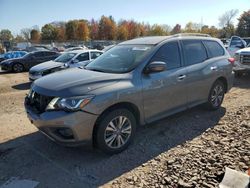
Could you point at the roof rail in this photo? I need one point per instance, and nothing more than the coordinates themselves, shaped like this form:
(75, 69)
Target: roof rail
(191, 34)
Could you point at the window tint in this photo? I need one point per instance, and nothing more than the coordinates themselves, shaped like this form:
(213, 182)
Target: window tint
(83, 57)
(49, 53)
(195, 52)
(38, 54)
(95, 54)
(214, 48)
(169, 53)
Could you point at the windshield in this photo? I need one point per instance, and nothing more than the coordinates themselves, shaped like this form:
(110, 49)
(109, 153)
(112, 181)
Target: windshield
(120, 59)
(64, 58)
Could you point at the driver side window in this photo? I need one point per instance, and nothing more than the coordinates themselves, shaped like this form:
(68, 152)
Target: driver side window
(170, 54)
(83, 57)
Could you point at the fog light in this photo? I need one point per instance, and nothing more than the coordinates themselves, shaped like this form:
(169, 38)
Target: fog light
(66, 133)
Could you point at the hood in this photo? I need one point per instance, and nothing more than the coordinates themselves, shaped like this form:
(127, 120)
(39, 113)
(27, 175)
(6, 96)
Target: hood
(244, 50)
(45, 66)
(74, 82)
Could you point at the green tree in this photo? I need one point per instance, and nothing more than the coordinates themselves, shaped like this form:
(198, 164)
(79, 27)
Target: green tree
(71, 29)
(49, 32)
(244, 24)
(5, 35)
(35, 35)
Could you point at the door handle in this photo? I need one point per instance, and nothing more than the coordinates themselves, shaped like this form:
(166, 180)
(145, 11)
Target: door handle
(213, 68)
(181, 77)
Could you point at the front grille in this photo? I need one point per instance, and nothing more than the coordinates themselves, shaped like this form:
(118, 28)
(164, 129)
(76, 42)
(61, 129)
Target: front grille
(245, 59)
(38, 102)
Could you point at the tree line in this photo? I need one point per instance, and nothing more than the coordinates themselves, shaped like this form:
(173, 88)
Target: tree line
(106, 28)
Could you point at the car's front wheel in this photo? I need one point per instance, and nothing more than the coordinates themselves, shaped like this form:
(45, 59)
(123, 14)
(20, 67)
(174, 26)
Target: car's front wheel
(18, 67)
(115, 131)
(216, 95)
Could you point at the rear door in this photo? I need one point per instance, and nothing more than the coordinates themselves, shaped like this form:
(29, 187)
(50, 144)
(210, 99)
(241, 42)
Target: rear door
(164, 93)
(37, 58)
(201, 71)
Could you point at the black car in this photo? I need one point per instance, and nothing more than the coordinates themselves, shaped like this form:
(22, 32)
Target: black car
(29, 60)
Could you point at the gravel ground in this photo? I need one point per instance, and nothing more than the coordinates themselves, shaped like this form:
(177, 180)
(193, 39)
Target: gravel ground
(189, 149)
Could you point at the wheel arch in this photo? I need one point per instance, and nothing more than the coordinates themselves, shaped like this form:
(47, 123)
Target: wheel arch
(224, 81)
(127, 105)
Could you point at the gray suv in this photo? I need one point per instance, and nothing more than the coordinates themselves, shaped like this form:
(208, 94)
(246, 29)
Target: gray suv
(134, 83)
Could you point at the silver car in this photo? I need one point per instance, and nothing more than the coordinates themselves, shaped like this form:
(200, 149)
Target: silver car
(66, 60)
(134, 83)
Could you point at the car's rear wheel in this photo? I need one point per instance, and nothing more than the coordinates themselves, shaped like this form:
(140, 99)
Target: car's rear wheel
(115, 131)
(18, 67)
(216, 95)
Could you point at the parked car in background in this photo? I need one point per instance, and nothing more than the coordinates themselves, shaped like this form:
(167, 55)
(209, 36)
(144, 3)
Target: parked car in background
(12, 54)
(135, 82)
(235, 43)
(64, 61)
(75, 48)
(242, 61)
(27, 61)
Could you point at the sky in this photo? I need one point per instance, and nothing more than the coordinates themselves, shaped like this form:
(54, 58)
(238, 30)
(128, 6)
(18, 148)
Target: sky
(18, 14)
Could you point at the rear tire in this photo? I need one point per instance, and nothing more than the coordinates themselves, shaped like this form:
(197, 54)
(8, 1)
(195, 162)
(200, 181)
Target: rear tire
(216, 95)
(18, 67)
(115, 131)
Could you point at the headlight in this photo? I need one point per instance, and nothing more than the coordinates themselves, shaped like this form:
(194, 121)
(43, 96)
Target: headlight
(69, 104)
(237, 56)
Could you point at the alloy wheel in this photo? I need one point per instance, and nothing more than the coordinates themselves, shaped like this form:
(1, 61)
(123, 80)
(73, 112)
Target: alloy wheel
(117, 132)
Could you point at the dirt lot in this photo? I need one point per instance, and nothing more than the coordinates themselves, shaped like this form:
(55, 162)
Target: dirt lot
(189, 149)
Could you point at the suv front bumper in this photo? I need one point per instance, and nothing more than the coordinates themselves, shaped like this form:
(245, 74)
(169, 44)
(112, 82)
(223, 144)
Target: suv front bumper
(52, 123)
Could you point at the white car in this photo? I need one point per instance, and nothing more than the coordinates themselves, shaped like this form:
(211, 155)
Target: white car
(242, 61)
(235, 43)
(66, 60)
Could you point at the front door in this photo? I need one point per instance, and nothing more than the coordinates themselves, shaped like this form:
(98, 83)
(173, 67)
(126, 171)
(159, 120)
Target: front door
(164, 93)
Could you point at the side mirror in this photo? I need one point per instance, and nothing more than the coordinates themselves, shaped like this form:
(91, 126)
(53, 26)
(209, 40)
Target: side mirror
(75, 61)
(66, 65)
(155, 66)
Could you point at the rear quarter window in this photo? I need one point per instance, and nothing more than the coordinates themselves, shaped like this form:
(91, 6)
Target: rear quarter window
(194, 51)
(214, 49)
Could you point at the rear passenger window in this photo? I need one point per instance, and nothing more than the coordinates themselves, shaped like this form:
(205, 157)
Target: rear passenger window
(214, 48)
(169, 53)
(195, 51)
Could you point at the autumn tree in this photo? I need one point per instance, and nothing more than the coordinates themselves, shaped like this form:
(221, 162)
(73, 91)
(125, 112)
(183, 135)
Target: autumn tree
(107, 28)
(122, 32)
(82, 30)
(244, 24)
(93, 29)
(176, 29)
(157, 30)
(5, 35)
(71, 29)
(61, 33)
(49, 32)
(35, 35)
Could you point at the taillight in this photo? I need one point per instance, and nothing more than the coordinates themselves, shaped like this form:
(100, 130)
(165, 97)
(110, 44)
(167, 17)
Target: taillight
(231, 60)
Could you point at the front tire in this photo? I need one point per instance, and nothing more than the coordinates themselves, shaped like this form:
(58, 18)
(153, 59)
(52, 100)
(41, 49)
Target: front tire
(18, 67)
(216, 95)
(115, 131)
